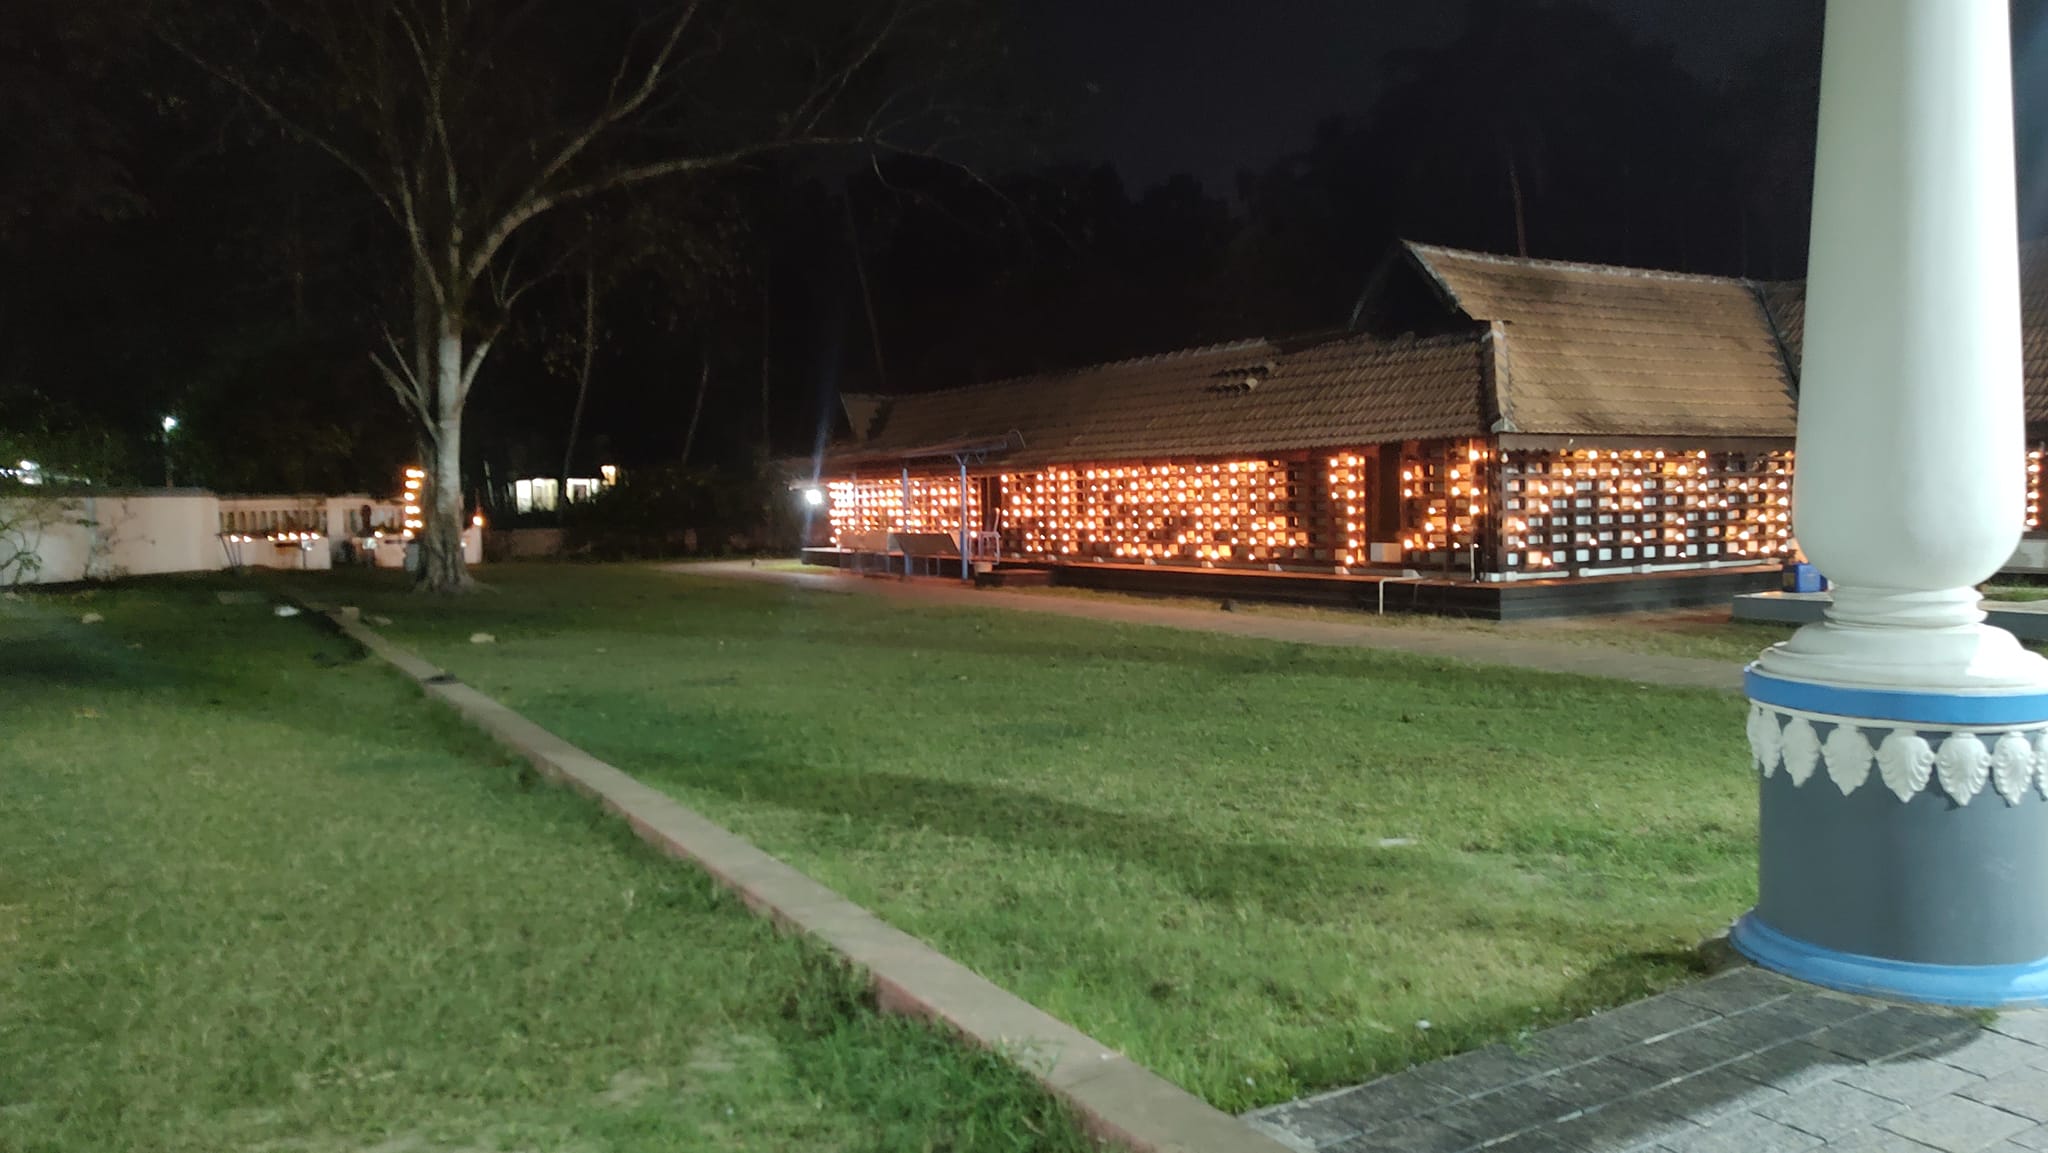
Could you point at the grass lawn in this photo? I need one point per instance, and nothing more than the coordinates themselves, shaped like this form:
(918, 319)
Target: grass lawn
(1258, 868)
(256, 894)
(2016, 593)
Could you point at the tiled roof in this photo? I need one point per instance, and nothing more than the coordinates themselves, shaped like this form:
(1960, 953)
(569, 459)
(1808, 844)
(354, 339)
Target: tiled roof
(1594, 350)
(1584, 350)
(1786, 303)
(1252, 396)
(2034, 326)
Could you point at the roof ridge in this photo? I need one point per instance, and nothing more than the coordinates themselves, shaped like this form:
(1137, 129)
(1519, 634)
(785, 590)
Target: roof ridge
(1421, 248)
(1404, 340)
(1278, 347)
(1242, 344)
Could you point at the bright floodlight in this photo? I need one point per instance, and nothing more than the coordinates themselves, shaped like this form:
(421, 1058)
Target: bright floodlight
(813, 497)
(170, 422)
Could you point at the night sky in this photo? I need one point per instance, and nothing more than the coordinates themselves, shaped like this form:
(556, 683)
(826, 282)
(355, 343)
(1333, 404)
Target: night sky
(1209, 87)
(1042, 233)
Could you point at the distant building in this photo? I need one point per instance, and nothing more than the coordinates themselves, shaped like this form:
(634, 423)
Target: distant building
(1503, 436)
(546, 493)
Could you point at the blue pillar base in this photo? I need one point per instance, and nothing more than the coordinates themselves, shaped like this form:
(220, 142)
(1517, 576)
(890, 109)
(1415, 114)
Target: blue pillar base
(1902, 846)
(1972, 986)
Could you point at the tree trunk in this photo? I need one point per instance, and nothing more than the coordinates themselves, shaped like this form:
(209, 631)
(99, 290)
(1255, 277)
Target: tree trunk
(867, 299)
(441, 563)
(697, 410)
(1521, 213)
(582, 389)
(767, 353)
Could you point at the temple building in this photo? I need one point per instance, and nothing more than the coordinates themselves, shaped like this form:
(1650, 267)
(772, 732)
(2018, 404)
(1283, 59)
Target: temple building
(1492, 436)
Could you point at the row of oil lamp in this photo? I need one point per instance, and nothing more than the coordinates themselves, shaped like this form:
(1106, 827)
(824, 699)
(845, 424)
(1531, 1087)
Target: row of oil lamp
(2034, 488)
(1227, 511)
(1449, 503)
(273, 537)
(1347, 484)
(1752, 494)
(878, 505)
(1230, 510)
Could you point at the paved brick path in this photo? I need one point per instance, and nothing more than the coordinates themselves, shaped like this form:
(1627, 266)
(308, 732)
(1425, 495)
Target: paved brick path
(1746, 1062)
(1473, 647)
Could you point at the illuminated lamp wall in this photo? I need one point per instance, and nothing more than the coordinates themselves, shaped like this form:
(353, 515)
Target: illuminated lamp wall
(2034, 455)
(1349, 482)
(1594, 508)
(1465, 506)
(878, 506)
(415, 518)
(1252, 511)
(1447, 504)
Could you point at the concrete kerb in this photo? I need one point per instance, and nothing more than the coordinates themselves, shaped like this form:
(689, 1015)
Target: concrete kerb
(1116, 1099)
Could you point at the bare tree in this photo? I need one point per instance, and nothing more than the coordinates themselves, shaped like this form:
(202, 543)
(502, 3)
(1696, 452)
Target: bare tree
(468, 120)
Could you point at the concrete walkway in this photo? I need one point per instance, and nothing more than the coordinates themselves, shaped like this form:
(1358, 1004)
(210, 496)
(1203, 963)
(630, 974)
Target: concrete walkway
(1746, 1062)
(1472, 647)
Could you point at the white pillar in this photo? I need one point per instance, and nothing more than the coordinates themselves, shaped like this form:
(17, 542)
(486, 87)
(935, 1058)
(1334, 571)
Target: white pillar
(1911, 460)
(1903, 743)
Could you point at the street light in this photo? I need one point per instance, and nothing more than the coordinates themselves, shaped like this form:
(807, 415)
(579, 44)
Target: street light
(170, 424)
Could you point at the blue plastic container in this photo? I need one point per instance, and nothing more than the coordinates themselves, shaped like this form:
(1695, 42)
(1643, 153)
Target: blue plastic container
(1804, 578)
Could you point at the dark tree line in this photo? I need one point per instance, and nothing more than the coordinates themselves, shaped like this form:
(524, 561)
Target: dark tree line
(1543, 129)
(197, 239)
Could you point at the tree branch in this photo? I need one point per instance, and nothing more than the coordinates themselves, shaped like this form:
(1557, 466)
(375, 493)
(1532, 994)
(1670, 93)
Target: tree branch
(819, 103)
(403, 383)
(277, 116)
(637, 174)
(476, 361)
(415, 239)
(434, 75)
(615, 110)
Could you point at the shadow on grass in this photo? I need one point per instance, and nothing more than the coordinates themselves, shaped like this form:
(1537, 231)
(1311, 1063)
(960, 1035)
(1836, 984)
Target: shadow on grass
(45, 653)
(1303, 884)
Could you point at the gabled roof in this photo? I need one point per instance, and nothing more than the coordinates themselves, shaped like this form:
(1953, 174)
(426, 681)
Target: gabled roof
(2034, 326)
(1594, 350)
(1537, 347)
(1786, 303)
(1248, 397)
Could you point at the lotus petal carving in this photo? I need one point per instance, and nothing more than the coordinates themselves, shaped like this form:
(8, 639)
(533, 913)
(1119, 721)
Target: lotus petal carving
(1765, 741)
(1802, 749)
(1905, 761)
(2012, 767)
(1848, 754)
(1962, 765)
